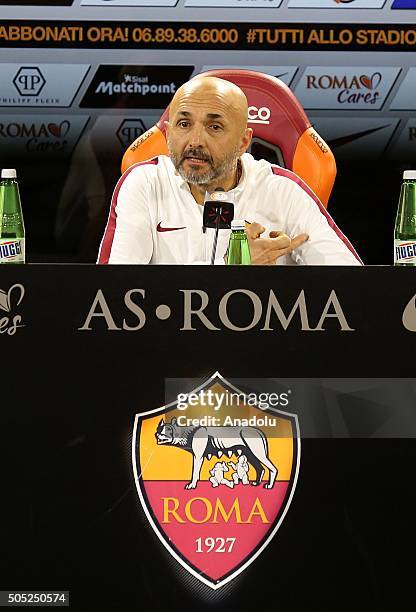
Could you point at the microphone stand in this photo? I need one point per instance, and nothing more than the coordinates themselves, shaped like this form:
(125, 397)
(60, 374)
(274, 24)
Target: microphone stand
(218, 213)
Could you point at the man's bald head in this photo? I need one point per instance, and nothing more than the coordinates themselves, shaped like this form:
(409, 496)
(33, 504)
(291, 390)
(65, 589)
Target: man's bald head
(204, 87)
(207, 131)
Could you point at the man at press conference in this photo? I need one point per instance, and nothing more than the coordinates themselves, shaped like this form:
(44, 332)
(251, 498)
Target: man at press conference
(156, 213)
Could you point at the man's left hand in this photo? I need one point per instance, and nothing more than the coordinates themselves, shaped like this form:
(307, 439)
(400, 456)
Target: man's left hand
(266, 251)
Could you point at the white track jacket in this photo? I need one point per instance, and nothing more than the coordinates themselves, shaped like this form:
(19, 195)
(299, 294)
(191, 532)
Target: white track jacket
(155, 219)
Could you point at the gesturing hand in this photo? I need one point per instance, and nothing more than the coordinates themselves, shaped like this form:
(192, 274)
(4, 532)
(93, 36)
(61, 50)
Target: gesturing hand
(266, 251)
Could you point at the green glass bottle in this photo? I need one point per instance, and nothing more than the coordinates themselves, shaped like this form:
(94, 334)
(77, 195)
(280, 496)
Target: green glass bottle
(405, 227)
(238, 247)
(12, 229)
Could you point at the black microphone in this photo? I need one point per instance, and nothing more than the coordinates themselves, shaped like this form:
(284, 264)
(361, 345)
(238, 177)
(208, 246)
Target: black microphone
(218, 214)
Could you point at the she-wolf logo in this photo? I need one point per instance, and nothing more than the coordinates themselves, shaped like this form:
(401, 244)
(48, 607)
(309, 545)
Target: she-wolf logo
(216, 482)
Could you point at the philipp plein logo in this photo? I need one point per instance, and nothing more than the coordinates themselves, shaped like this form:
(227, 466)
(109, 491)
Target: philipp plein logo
(8, 301)
(29, 81)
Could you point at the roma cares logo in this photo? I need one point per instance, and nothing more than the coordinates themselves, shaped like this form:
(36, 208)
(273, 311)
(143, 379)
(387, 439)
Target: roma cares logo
(216, 479)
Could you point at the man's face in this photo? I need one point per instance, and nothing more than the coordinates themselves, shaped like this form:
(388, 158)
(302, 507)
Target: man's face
(204, 142)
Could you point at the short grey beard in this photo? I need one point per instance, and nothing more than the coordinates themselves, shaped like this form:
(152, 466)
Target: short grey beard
(194, 179)
(227, 166)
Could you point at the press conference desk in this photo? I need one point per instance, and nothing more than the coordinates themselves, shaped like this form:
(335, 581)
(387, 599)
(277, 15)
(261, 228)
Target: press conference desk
(85, 348)
(238, 315)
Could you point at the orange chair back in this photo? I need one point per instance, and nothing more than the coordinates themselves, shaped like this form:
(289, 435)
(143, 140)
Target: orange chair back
(282, 133)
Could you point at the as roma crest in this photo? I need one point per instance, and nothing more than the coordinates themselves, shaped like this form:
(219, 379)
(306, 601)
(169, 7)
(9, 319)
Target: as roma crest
(215, 475)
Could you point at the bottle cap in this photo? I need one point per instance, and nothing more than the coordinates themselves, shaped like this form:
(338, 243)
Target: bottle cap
(409, 174)
(238, 224)
(8, 173)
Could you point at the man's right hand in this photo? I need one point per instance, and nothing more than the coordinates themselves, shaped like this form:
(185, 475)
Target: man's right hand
(266, 251)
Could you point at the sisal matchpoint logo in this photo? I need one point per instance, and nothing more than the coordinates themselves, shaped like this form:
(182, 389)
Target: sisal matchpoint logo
(215, 472)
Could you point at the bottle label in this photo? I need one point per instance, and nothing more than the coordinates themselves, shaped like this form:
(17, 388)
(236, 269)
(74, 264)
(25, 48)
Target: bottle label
(405, 251)
(12, 250)
(9, 220)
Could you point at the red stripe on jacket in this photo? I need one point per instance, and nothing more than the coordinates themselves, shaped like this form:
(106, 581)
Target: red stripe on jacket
(296, 179)
(107, 241)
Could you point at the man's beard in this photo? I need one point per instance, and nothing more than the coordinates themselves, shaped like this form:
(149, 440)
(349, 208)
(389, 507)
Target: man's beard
(215, 171)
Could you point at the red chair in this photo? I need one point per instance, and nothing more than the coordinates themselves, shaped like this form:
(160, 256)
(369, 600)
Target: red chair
(282, 133)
